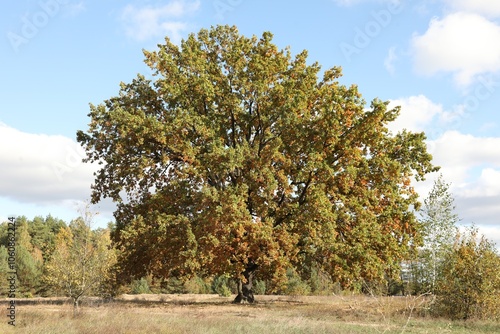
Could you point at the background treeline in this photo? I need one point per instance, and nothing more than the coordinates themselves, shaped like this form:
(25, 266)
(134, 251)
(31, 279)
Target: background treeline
(458, 271)
(37, 248)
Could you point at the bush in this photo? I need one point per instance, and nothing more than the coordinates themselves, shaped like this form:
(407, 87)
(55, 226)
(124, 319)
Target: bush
(295, 285)
(139, 286)
(320, 282)
(172, 285)
(197, 285)
(220, 285)
(469, 282)
(259, 287)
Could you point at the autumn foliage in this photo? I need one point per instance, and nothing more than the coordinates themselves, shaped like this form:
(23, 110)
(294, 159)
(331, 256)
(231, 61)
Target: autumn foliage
(238, 154)
(469, 282)
(81, 262)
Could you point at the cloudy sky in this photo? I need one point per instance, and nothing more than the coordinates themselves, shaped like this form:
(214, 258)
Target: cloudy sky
(438, 59)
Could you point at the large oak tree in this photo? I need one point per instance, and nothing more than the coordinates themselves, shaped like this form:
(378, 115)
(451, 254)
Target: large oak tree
(236, 156)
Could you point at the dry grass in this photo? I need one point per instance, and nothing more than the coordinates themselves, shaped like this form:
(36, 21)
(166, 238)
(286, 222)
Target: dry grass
(213, 314)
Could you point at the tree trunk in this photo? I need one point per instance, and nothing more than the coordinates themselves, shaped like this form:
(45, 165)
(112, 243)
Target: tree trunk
(245, 293)
(76, 306)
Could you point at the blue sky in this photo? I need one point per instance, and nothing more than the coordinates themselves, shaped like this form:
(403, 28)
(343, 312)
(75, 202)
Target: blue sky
(438, 59)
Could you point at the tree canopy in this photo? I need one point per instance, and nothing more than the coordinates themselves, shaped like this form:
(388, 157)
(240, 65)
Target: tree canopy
(237, 155)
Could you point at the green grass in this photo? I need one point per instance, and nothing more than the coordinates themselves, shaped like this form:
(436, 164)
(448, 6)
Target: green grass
(213, 314)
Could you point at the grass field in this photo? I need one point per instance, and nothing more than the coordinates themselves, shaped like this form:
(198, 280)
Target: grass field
(213, 314)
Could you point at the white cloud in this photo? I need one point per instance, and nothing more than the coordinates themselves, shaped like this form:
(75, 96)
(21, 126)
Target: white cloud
(480, 210)
(471, 207)
(492, 233)
(472, 166)
(149, 22)
(418, 113)
(73, 9)
(461, 43)
(488, 126)
(390, 59)
(458, 150)
(489, 8)
(43, 175)
(42, 168)
(487, 185)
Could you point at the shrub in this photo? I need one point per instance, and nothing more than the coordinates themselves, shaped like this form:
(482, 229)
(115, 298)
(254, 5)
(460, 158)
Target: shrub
(259, 287)
(172, 285)
(197, 285)
(469, 282)
(295, 285)
(139, 286)
(220, 285)
(320, 282)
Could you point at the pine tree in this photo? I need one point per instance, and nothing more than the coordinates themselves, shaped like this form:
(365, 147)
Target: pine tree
(29, 260)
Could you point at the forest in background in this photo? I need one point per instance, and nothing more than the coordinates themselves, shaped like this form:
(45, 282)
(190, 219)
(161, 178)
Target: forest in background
(457, 268)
